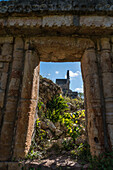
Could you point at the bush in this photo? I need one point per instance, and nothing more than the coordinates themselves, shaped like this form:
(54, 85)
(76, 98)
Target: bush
(73, 124)
(55, 108)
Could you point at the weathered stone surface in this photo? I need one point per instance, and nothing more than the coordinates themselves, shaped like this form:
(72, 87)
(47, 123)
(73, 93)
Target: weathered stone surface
(110, 130)
(3, 166)
(93, 98)
(57, 21)
(2, 95)
(96, 21)
(10, 83)
(14, 165)
(3, 81)
(56, 6)
(58, 37)
(14, 87)
(31, 62)
(19, 44)
(5, 152)
(7, 58)
(11, 108)
(50, 48)
(106, 63)
(51, 89)
(7, 49)
(105, 43)
(108, 84)
(6, 40)
(93, 89)
(89, 59)
(6, 135)
(5, 67)
(109, 117)
(18, 62)
(25, 125)
(0, 116)
(1, 65)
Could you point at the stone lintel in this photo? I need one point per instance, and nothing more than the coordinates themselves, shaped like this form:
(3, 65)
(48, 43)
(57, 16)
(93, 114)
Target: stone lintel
(64, 24)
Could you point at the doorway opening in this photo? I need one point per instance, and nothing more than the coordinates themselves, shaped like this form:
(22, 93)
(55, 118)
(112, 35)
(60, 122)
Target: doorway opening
(60, 126)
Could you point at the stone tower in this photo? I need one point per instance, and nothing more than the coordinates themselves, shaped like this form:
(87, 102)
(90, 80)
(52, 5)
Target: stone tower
(68, 79)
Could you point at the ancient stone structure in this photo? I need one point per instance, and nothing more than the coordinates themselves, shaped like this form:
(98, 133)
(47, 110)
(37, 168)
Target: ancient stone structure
(57, 31)
(47, 90)
(65, 85)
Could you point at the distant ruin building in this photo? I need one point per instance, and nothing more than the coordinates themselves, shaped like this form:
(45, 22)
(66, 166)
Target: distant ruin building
(65, 85)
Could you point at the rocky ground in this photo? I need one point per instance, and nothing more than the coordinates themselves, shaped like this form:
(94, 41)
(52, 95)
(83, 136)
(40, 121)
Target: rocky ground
(55, 162)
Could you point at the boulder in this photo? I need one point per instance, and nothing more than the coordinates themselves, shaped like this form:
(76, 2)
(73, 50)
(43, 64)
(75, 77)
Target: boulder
(49, 134)
(44, 125)
(50, 125)
(58, 133)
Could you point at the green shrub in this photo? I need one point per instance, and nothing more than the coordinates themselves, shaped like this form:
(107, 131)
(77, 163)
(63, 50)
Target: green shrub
(55, 108)
(72, 123)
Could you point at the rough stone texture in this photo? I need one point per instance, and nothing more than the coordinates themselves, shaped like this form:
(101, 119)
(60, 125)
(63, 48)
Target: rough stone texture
(22, 91)
(50, 88)
(94, 115)
(58, 31)
(56, 6)
(5, 127)
(10, 166)
(11, 99)
(27, 104)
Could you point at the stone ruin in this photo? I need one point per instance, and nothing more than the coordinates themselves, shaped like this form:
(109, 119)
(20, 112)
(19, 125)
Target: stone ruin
(65, 86)
(47, 90)
(54, 31)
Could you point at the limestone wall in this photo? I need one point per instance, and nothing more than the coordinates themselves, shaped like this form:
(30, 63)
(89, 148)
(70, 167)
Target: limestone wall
(19, 88)
(62, 31)
(18, 97)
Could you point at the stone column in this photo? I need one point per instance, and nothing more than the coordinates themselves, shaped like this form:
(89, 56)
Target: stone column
(11, 85)
(93, 101)
(106, 59)
(27, 105)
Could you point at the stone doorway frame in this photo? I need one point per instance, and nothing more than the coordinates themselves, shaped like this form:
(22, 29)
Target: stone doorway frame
(59, 49)
(72, 49)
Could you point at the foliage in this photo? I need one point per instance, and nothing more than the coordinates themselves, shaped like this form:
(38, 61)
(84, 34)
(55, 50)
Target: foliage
(41, 110)
(40, 132)
(103, 162)
(68, 144)
(77, 102)
(34, 155)
(83, 152)
(55, 108)
(72, 123)
(40, 136)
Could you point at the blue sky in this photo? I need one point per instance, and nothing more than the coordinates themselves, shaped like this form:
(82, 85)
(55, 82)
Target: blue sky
(55, 71)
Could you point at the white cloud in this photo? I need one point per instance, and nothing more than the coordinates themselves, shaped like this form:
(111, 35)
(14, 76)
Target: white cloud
(49, 74)
(57, 72)
(79, 90)
(72, 74)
